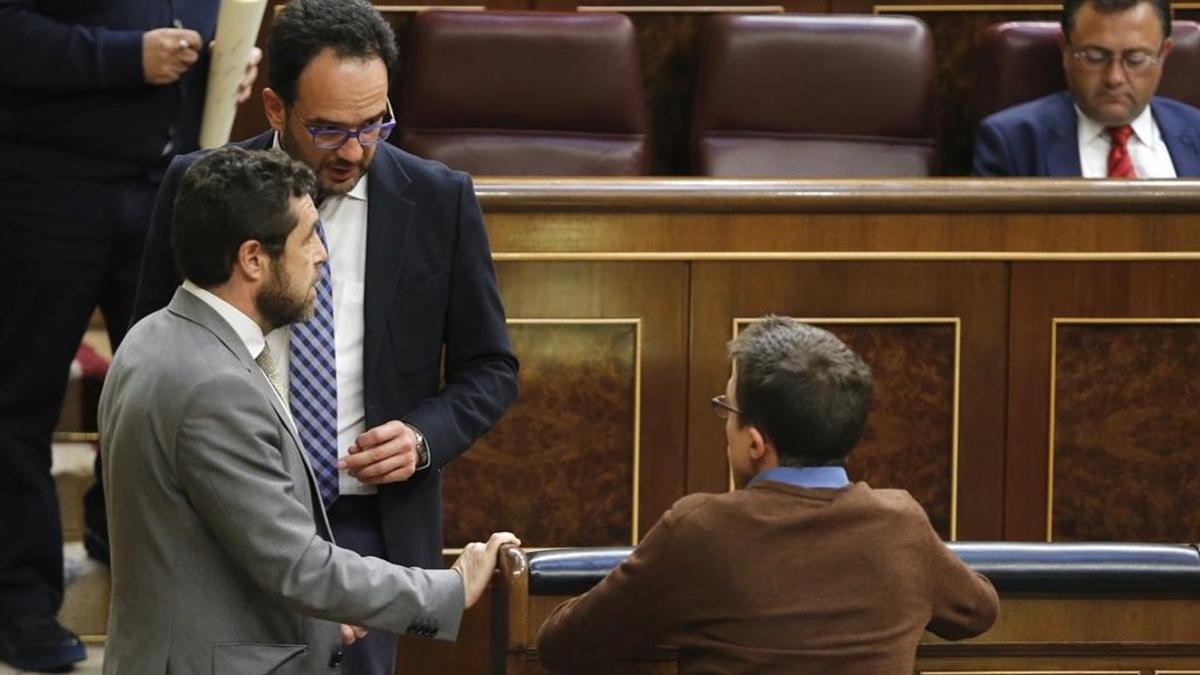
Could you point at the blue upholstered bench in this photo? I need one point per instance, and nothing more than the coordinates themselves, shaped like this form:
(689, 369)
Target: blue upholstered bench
(1078, 607)
(1011, 566)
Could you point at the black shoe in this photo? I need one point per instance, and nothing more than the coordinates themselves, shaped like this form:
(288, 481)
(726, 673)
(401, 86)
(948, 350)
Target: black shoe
(39, 644)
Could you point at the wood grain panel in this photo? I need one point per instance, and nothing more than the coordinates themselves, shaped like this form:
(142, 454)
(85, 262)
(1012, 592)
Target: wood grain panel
(1126, 466)
(909, 439)
(657, 295)
(654, 293)
(559, 468)
(1040, 293)
(973, 292)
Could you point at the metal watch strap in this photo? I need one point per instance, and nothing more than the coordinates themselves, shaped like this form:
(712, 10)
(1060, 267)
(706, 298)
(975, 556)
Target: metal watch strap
(423, 456)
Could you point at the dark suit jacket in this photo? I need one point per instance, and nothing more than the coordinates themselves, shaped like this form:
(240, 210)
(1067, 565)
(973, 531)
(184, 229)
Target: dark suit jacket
(1041, 138)
(429, 283)
(74, 102)
(776, 578)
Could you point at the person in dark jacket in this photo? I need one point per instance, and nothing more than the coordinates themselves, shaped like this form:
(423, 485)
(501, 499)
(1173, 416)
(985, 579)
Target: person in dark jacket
(1107, 123)
(95, 99)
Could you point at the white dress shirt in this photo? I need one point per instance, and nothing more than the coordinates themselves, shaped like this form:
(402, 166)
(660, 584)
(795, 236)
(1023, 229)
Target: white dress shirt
(1146, 148)
(345, 220)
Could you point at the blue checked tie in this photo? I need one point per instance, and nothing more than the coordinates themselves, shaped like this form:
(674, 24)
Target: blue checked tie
(313, 371)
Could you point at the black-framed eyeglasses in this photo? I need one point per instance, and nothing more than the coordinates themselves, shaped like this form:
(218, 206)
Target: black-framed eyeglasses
(331, 138)
(722, 408)
(1133, 61)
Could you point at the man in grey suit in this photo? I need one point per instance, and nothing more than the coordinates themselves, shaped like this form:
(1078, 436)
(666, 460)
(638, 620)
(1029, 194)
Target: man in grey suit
(222, 557)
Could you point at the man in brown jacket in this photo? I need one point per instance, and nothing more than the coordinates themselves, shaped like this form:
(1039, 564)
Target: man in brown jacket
(799, 572)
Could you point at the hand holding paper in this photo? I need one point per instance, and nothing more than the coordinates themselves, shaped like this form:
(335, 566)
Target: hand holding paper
(167, 53)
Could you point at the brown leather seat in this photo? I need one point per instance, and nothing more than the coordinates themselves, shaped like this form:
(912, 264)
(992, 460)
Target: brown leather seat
(525, 93)
(815, 95)
(1021, 60)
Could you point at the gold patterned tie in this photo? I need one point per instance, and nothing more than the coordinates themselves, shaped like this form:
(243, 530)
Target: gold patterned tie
(267, 363)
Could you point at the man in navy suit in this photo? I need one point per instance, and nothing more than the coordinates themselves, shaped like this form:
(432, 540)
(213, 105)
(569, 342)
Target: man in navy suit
(418, 352)
(1108, 123)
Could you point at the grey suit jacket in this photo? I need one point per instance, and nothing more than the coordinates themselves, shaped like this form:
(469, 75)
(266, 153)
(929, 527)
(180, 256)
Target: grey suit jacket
(222, 561)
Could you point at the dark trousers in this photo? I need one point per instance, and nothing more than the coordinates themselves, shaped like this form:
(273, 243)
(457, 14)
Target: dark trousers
(356, 525)
(66, 247)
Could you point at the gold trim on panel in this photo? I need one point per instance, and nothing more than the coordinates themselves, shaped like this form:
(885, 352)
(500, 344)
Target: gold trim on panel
(75, 437)
(1072, 671)
(738, 322)
(1177, 672)
(93, 639)
(637, 429)
(934, 9)
(573, 322)
(1054, 323)
(922, 256)
(680, 9)
(636, 322)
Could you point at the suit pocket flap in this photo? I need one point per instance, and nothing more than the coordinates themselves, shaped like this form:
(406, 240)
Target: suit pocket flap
(251, 658)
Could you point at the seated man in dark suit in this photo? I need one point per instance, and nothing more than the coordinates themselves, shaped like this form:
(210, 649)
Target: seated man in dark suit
(1109, 123)
(799, 572)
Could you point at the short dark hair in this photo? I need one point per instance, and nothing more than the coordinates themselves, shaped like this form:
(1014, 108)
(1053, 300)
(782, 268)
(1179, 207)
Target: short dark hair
(303, 28)
(803, 388)
(1071, 7)
(230, 196)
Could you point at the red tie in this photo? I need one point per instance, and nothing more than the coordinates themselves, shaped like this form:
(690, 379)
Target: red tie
(1119, 164)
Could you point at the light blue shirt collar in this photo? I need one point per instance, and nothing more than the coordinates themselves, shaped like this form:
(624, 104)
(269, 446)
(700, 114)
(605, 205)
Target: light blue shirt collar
(828, 477)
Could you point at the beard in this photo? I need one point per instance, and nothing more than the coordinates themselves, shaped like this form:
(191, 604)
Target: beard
(277, 305)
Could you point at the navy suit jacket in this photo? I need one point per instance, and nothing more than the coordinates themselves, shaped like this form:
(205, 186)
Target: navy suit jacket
(1041, 138)
(73, 98)
(429, 283)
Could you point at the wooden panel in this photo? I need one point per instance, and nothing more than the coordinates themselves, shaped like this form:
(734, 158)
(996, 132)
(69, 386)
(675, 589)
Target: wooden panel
(909, 441)
(1030, 672)
(1040, 293)
(1125, 465)
(973, 293)
(1004, 258)
(559, 467)
(1059, 671)
(655, 294)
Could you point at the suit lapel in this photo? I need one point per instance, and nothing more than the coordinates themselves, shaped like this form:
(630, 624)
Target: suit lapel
(290, 425)
(389, 217)
(1181, 141)
(1062, 140)
(194, 309)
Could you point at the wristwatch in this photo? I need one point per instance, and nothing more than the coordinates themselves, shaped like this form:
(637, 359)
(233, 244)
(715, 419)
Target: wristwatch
(422, 448)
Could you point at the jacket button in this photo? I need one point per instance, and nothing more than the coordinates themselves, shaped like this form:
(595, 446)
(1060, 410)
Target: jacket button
(335, 659)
